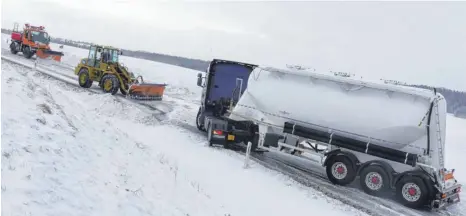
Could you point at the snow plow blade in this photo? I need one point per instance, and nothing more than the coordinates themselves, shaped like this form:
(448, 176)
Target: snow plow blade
(147, 91)
(49, 54)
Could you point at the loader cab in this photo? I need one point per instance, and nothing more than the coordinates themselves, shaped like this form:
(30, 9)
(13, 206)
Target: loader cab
(100, 57)
(110, 55)
(223, 84)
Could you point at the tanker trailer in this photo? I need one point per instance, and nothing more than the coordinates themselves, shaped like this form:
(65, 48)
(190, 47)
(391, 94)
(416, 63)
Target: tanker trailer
(392, 137)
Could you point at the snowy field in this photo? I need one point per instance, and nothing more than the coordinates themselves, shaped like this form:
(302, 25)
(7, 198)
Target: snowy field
(72, 151)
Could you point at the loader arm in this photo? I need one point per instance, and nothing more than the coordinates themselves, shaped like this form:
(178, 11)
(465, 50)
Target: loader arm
(125, 78)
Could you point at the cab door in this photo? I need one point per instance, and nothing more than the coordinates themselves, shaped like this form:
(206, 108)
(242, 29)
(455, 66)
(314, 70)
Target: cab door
(92, 53)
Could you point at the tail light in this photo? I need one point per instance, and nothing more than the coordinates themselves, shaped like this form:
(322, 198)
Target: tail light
(218, 132)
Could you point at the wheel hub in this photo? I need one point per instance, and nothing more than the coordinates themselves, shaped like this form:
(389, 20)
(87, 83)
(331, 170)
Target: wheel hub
(411, 192)
(83, 78)
(374, 181)
(108, 85)
(339, 170)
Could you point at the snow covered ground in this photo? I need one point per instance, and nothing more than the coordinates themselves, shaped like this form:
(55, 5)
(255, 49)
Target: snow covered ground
(70, 151)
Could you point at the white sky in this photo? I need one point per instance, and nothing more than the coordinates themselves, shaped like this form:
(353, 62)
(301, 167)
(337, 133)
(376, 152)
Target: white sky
(417, 42)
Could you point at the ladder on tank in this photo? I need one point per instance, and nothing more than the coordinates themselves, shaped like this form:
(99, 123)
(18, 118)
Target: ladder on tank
(439, 137)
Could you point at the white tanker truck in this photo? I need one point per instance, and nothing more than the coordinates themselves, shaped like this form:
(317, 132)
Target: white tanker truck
(392, 137)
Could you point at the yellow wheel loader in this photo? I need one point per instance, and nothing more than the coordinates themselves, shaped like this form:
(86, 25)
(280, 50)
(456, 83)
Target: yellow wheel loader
(102, 66)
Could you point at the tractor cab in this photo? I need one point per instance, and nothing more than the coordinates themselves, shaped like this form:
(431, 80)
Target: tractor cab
(35, 34)
(222, 86)
(33, 40)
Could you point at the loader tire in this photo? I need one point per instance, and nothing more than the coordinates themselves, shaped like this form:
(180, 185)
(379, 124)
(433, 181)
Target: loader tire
(123, 92)
(110, 84)
(13, 48)
(27, 53)
(84, 79)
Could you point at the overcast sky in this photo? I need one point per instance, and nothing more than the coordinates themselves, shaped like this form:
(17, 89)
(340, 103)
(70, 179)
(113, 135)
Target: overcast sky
(417, 42)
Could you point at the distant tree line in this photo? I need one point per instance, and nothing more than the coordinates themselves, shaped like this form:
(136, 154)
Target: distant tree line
(190, 63)
(456, 100)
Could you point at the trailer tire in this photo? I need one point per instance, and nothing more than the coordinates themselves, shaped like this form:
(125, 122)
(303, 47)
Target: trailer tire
(412, 192)
(340, 170)
(374, 180)
(199, 123)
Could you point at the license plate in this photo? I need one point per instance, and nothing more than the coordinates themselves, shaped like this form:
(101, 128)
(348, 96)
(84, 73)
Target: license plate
(231, 137)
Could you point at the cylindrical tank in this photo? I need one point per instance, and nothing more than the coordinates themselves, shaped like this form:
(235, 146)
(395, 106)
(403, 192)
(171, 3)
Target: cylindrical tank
(392, 114)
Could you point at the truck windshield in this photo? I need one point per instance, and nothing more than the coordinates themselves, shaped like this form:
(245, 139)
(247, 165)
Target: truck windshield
(41, 37)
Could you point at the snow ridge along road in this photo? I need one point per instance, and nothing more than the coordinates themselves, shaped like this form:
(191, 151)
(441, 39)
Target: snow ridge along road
(350, 196)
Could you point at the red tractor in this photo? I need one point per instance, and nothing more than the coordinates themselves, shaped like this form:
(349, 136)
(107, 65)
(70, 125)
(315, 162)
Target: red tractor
(33, 40)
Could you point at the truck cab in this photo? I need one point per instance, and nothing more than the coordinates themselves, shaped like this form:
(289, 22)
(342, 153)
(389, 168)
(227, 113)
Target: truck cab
(222, 85)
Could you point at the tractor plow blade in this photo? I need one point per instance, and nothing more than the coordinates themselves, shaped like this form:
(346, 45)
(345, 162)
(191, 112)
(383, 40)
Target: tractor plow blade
(49, 54)
(146, 91)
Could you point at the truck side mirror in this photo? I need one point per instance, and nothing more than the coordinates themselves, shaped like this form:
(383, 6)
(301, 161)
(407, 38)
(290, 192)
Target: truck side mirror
(199, 79)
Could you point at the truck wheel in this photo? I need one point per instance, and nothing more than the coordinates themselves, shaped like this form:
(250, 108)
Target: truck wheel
(110, 84)
(374, 180)
(27, 53)
(84, 78)
(412, 191)
(199, 123)
(340, 170)
(14, 48)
